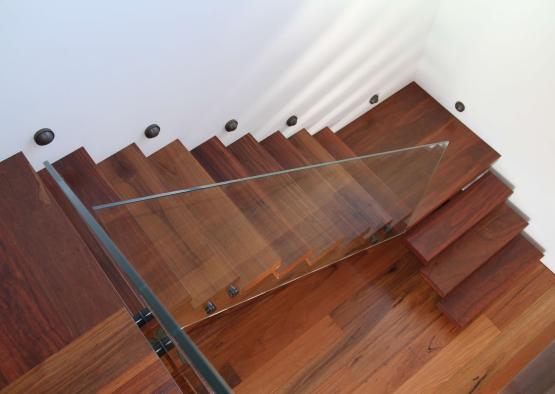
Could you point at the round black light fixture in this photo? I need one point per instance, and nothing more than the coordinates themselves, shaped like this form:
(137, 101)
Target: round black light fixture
(459, 106)
(374, 99)
(292, 121)
(152, 131)
(231, 125)
(44, 137)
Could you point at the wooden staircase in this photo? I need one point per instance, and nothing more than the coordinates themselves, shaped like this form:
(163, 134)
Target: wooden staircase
(192, 257)
(471, 248)
(63, 327)
(195, 248)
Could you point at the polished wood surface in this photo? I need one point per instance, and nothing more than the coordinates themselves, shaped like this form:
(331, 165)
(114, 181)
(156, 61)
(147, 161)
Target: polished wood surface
(32, 228)
(111, 357)
(314, 184)
(254, 200)
(134, 241)
(396, 210)
(172, 232)
(369, 324)
(74, 168)
(250, 255)
(303, 214)
(368, 209)
(474, 248)
(412, 117)
(475, 293)
(63, 328)
(447, 224)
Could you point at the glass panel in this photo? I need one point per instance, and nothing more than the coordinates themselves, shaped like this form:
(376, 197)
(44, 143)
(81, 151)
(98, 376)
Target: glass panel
(200, 370)
(214, 246)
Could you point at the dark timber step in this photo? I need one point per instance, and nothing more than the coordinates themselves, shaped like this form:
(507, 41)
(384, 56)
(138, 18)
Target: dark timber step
(456, 217)
(252, 198)
(475, 293)
(301, 213)
(394, 207)
(173, 229)
(59, 311)
(79, 171)
(412, 117)
(229, 228)
(322, 192)
(469, 252)
(362, 202)
(41, 307)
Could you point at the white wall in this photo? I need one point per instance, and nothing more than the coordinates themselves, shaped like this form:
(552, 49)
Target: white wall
(98, 72)
(498, 57)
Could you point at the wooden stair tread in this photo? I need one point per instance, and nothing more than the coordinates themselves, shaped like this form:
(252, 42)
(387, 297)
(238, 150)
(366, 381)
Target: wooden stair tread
(475, 293)
(230, 230)
(253, 201)
(173, 229)
(83, 176)
(394, 207)
(58, 308)
(412, 117)
(362, 202)
(315, 186)
(302, 214)
(474, 248)
(447, 224)
(79, 172)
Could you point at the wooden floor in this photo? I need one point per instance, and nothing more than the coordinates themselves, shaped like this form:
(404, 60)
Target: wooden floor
(370, 324)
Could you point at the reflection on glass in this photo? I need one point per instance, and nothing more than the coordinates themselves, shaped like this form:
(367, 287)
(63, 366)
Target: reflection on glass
(211, 247)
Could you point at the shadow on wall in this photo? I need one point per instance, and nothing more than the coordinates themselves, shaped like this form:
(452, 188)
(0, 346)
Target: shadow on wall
(107, 70)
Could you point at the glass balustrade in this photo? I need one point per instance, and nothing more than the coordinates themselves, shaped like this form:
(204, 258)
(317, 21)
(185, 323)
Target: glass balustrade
(208, 248)
(213, 246)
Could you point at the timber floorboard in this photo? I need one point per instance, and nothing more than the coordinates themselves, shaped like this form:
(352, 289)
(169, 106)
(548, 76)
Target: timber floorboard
(381, 333)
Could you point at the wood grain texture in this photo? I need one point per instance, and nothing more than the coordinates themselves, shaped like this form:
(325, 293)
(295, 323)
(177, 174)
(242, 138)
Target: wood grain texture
(508, 353)
(111, 357)
(63, 328)
(474, 294)
(49, 294)
(228, 229)
(362, 202)
(379, 304)
(314, 184)
(75, 168)
(412, 117)
(385, 335)
(447, 224)
(395, 208)
(306, 217)
(474, 248)
(253, 198)
(134, 241)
